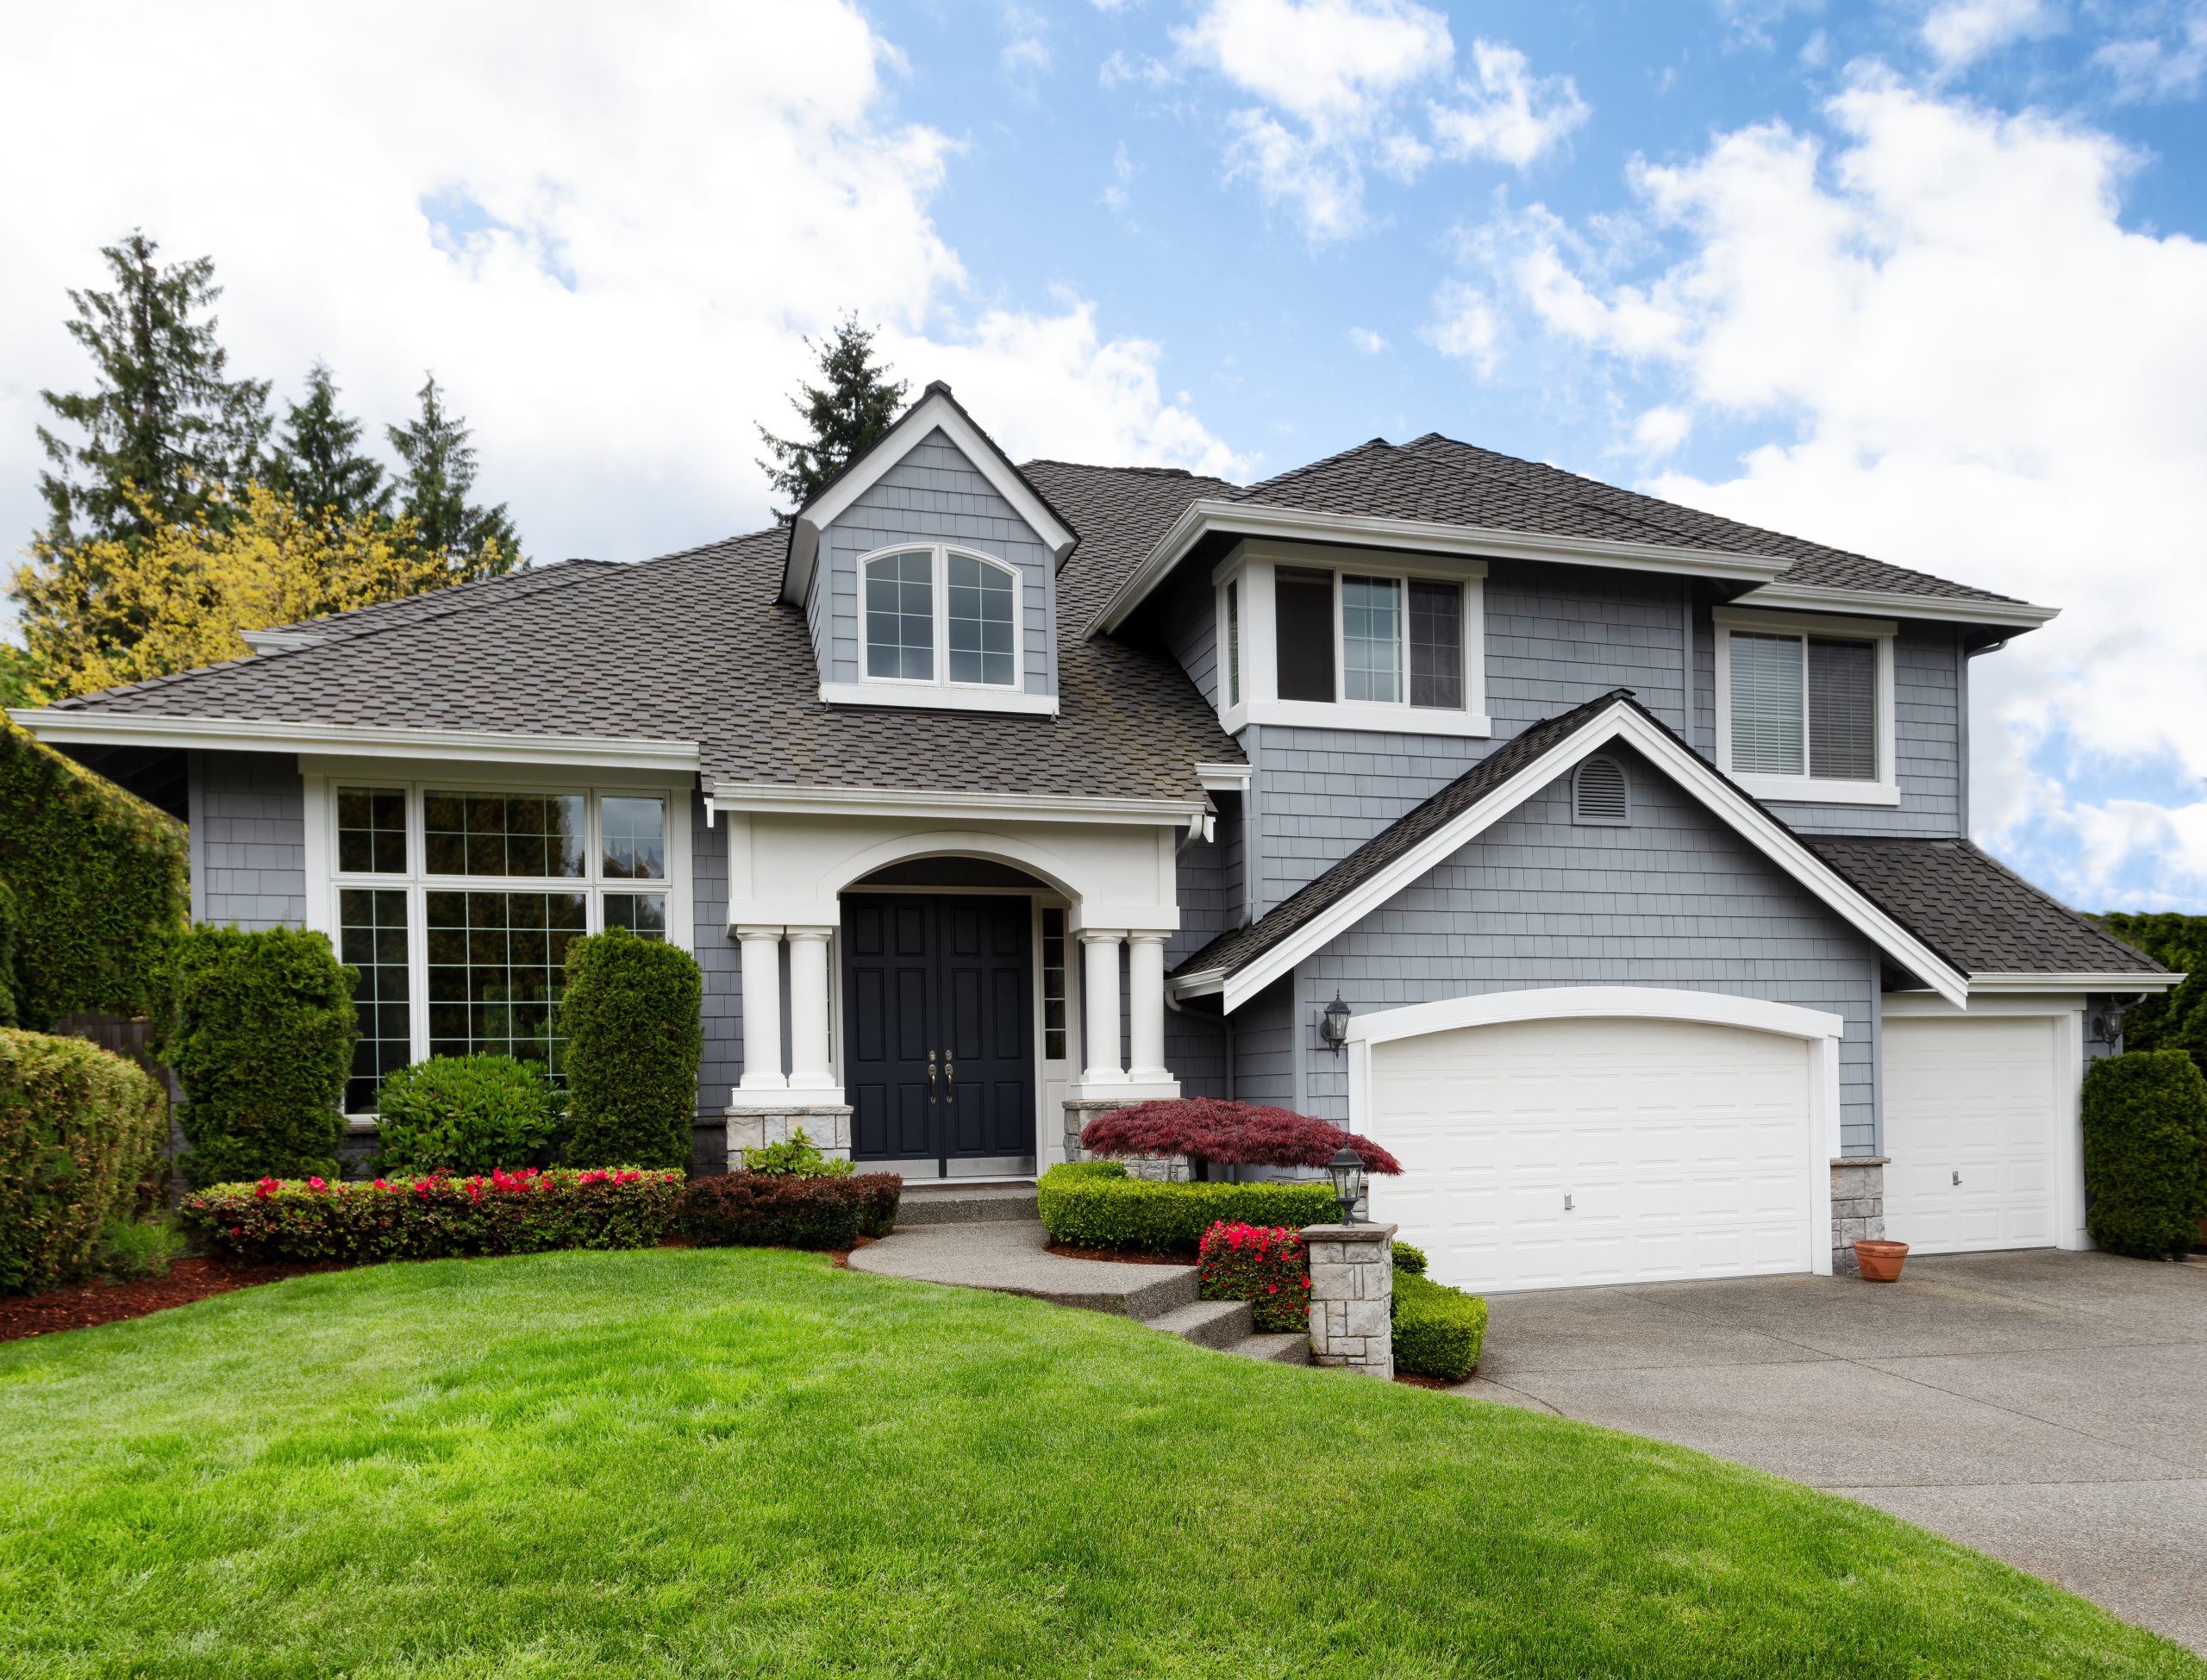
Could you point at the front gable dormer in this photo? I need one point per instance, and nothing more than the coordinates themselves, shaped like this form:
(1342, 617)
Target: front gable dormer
(927, 573)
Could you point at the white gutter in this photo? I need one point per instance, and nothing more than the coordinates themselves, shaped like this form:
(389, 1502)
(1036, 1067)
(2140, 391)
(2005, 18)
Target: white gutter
(72, 727)
(1945, 608)
(955, 803)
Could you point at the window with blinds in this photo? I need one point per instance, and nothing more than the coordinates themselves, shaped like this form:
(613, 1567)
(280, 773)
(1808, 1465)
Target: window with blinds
(1767, 702)
(1804, 706)
(1842, 710)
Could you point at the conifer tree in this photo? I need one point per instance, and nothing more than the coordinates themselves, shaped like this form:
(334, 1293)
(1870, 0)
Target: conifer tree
(433, 491)
(316, 461)
(853, 407)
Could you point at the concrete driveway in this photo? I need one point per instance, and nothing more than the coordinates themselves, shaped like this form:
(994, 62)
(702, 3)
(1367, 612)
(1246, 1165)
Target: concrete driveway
(2049, 1408)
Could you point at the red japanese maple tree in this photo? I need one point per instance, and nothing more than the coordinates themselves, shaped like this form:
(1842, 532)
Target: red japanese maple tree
(1231, 1134)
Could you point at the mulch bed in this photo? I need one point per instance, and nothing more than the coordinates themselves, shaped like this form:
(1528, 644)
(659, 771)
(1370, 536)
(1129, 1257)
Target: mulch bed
(81, 1305)
(1120, 1255)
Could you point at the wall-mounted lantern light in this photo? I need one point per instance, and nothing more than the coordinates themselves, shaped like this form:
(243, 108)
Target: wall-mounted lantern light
(1333, 1025)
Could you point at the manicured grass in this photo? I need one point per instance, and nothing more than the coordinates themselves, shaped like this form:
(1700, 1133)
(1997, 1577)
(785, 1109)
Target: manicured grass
(740, 1462)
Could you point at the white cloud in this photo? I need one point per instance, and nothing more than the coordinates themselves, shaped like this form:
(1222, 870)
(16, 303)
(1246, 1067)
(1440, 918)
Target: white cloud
(1960, 32)
(1466, 327)
(641, 213)
(1507, 112)
(2169, 66)
(1118, 70)
(1366, 342)
(1662, 430)
(1117, 195)
(1984, 375)
(1321, 61)
(1749, 22)
(1024, 58)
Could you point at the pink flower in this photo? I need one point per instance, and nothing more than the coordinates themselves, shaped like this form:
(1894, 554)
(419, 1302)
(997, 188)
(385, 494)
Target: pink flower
(317, 1185)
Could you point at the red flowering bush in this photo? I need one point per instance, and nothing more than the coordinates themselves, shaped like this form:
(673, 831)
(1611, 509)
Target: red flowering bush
(1266, 1266)
(523, 1212)
(778, 1210)
(1231, 1134)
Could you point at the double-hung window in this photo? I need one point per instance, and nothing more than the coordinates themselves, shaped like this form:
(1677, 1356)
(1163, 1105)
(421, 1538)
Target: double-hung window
(944, 616)
(457, 905)
(1805, 707)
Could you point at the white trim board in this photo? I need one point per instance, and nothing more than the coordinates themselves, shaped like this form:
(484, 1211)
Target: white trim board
(1943, 609)
(915, 696)
(956, 805)
(1621, 721)
(225, 734)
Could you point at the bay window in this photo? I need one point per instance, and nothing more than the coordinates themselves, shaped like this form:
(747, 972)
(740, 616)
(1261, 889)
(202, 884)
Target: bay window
(1804, 706)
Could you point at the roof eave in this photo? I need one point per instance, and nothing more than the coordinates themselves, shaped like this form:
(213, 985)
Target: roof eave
(227, 734)
(2015, 617)
(1999, 984)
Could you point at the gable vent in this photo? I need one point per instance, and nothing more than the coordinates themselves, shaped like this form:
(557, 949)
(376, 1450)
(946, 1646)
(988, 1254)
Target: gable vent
(1600, 794)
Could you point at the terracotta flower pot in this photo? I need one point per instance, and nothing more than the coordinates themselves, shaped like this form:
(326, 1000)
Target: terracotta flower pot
(1879, 1261)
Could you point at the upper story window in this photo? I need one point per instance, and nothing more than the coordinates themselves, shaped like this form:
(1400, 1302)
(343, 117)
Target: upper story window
(939, 615)
(1805, 706)
(1378, 644)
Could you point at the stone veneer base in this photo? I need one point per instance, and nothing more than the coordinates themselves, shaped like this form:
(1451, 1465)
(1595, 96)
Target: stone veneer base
(1858, 1208)
(1352, 1297)
(827, 1124)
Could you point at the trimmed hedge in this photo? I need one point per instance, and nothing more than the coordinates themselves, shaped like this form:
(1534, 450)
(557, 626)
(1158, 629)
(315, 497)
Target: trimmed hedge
(10, 934)
(1408, 1257)
(260, 1031)
(1438, 1331)
(80, 1130)
(1093, 1204)
(464, 1114)
(101, 880)
(633, 1042)
(439, 1216)
(2172, 1020)
(2145, 1153)
(777, 1210)
(1266, 1265)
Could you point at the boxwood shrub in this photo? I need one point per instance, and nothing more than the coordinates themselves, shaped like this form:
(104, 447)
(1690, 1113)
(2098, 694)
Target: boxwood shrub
(633, 1042)
(779, 1210)
(259, 1028)
(1408, 1257)
(437, 1216)
(464, 1114)
(1093, 1204)
(1438, 1330)
(79, 1131)
(2145, 1153)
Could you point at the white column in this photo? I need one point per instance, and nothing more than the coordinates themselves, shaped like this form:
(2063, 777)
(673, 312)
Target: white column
(1145, 1009)
(809, 1065)
(762, 1010)
(1099, 991)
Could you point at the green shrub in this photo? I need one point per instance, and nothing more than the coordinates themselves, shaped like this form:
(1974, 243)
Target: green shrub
(2170, 1020)
(1266, 1265)
(2145, 1153)
(796, 1159)
(259, 1029)
(500, 1213)
(1438, 1330)
(79, 1129)
(10, 986)
(778, 1210)
(1409, 1258)
(101, 880)
(634, 1041)
(136, 1248)
(464, 1114)
(1088, 1209)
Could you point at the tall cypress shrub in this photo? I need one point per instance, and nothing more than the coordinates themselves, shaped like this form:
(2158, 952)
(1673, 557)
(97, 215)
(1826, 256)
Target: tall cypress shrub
(259, 1030)
(80, 1130)
(2146, 1153)
(634, 1041)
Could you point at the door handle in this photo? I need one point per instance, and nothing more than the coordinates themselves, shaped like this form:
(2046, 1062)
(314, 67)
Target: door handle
(950, 1078)
(1958, 1178)
(933, 1092)
(1566, 1203)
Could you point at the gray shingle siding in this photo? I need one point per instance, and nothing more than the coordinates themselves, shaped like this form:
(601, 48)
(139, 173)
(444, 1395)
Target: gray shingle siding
(1675, 900)
(721, 1006)
(1191, 628)
(937, 495)
(1557, 635)
(248, 840)
(1263, 1050)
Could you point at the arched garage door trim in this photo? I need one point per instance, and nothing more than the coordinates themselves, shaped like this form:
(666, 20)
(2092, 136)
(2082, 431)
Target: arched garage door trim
(1819, 1029)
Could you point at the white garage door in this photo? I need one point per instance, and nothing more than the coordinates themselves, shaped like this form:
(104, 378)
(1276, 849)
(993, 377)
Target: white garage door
(1970, 1108)
(1544, 1153)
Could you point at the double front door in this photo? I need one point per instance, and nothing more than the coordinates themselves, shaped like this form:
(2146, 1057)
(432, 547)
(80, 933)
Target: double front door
(939, 1035)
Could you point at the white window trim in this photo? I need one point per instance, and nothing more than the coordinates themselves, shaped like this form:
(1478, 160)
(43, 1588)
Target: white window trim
(1253, 564)
(1806, 789)
(939, 687)
(325, 883)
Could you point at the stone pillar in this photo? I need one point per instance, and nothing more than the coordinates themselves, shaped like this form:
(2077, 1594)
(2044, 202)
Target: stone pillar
(812, 1069)
(1353, 1297)
(1146, 1009)
(1099, 991)
(762, 1010)
(1858, 1208)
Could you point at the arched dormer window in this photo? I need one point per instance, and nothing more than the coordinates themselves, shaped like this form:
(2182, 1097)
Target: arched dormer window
(939, 615)
(1600, 794)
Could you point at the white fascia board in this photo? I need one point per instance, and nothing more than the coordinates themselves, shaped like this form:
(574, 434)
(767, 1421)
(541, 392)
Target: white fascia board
(937, 698)
(1225, 778)
(933, 411)
(1593, 1003)
(1427, 536)
(1740, 812)
(225, 734)
(1997, 984)
(953, 803)
(1945, 608)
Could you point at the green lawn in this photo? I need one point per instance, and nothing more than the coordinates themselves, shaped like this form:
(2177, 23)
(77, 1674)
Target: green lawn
(747, 1462)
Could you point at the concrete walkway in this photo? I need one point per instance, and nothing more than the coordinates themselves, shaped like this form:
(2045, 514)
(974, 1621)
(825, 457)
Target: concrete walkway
(2049, 1408)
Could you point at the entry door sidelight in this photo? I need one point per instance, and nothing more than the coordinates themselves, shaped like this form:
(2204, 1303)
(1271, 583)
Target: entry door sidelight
(940, 1035)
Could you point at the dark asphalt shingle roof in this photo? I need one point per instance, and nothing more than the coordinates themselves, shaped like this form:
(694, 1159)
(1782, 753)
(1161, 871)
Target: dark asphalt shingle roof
(458, 598)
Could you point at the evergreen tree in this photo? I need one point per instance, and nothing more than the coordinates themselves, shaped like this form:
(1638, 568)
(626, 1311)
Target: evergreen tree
(854, 407)
(165, 429)
(433, 491)
(316, 461)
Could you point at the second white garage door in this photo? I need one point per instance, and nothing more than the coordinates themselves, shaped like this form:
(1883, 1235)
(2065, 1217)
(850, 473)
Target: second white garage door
(1540, 1155)
(1971, 1130)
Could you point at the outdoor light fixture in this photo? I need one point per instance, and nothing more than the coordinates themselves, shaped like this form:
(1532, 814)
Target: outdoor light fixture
(1348, 1169)
(1333, 1025)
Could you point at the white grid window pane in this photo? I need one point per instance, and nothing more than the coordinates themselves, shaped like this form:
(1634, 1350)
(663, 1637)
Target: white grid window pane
(980, 622)
(371, 831)
(1843, 709)
(1768, 738)
(643, 914)
(1436, 645)
(497, 970)
(1234, 643)
(635, 837)
(1054, 985)
(372, 938)
(501, 833)
(1372, 639)
(900, 617)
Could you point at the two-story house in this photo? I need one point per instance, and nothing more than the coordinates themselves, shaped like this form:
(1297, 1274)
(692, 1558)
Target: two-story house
(1605, 860)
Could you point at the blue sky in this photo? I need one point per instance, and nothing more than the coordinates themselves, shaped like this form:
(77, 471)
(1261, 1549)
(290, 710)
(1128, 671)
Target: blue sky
(1923, 278)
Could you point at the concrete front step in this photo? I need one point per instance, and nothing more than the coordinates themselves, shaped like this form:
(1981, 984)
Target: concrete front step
(1207, 1323)
(1290, 1347)
(954, 1204)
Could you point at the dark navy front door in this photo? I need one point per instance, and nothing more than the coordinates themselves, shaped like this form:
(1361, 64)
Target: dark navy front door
(938, 1040)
